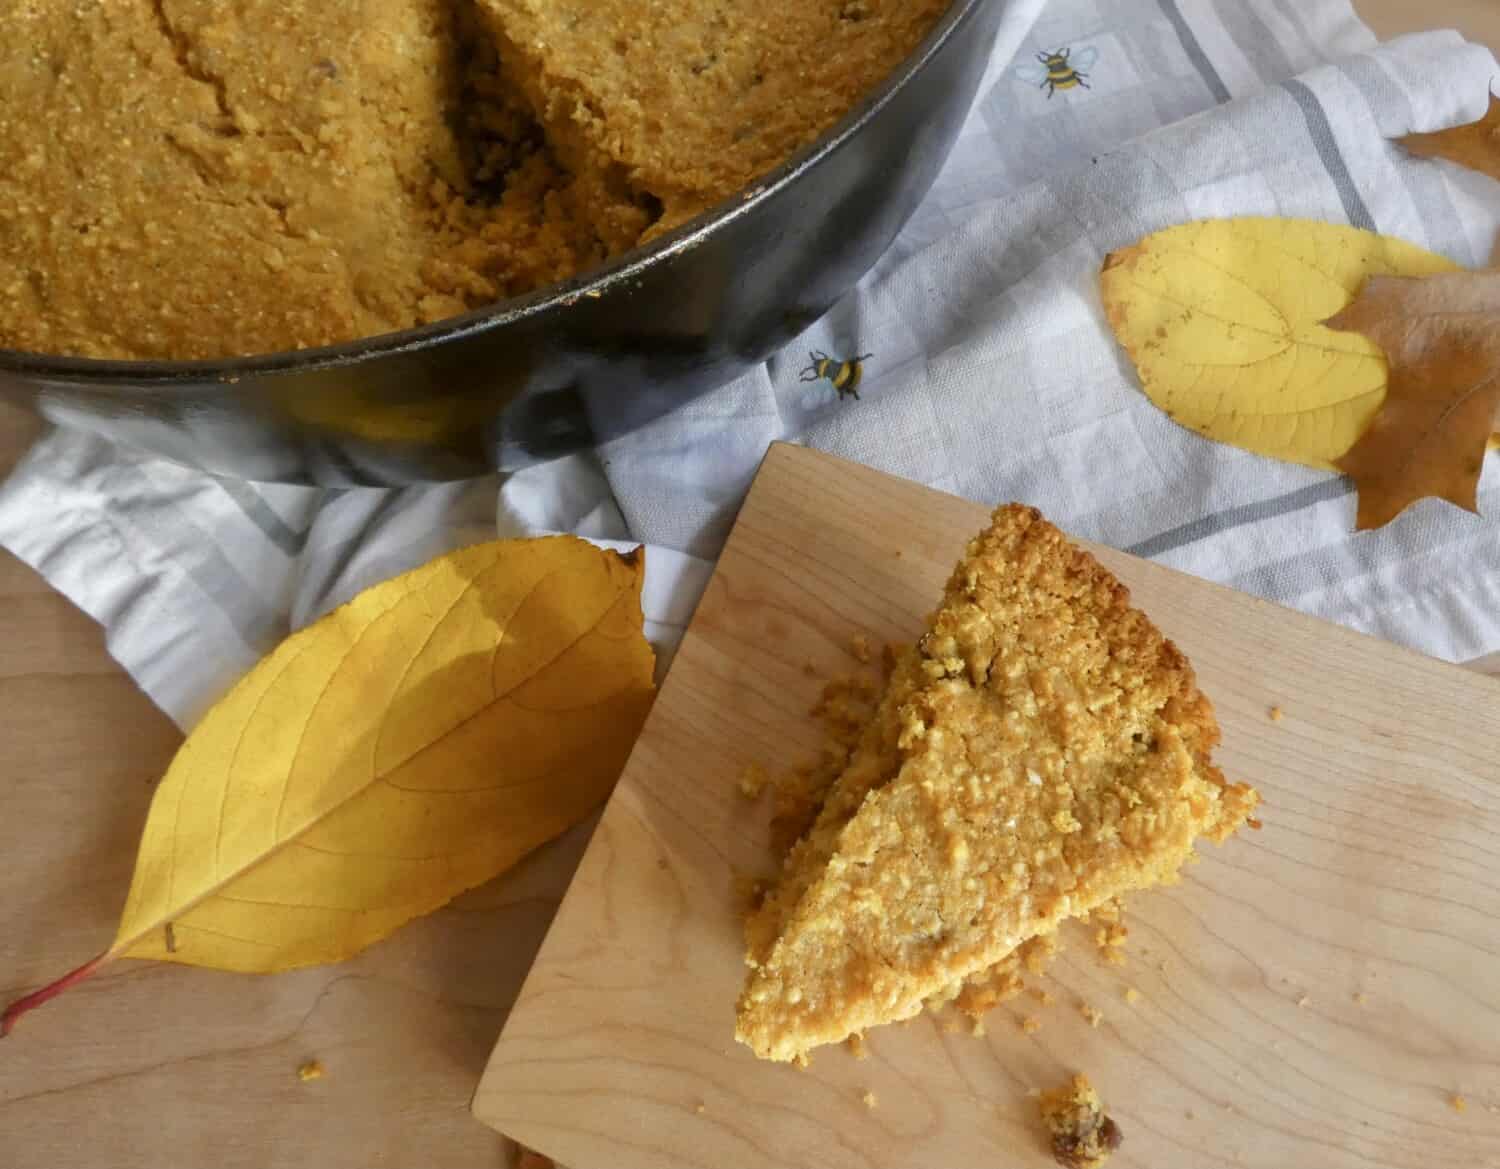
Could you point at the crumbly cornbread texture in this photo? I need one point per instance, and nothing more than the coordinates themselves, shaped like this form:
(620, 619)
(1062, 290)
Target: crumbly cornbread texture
(687, 101)
(1042, 750)
(193, 179)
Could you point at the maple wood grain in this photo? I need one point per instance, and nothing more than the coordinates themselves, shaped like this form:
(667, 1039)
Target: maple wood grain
(1374, 876)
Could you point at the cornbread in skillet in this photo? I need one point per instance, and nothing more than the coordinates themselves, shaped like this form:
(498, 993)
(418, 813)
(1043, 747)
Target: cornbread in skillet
(193, 179)
(1043, 750)
(687, 101)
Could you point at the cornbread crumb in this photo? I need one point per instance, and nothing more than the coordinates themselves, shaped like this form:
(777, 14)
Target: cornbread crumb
(857, 1046)
(977, 1028)
(1110, 940)
(1304, 1000)
(859, 646)
(1031, 1024)
(1092, 1013)
(1360, 999)
(1458, 1103)
(1132, 995)
(1036, 953)
(313, 1069)
(748, 891)
(1276, 714)
(1082, 1136)
(753, 781)
(1002, 981)
(870, 1100)
(1040, 752)
(1043, 996)
(700, 1108)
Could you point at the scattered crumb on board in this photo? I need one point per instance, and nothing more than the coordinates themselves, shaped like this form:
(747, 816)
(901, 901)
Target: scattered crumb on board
(1304, 1000)
(976, 1028)
(1031, 1024)
(1111, 934)
(1081, 1135)
(1132, 995)
(859, 646)
(753, 781)
(1043, 995)
(1360, 998)
(1092, 1013)
(700, 1108)
(1458, 1103)
(857, 1046)
(313, 1069)
(870, 1100)
(1276, 714)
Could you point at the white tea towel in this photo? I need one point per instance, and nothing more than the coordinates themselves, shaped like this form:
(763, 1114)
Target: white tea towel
(992, 372)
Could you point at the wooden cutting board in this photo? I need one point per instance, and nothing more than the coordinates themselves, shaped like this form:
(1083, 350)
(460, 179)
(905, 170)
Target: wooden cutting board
(1314, 994)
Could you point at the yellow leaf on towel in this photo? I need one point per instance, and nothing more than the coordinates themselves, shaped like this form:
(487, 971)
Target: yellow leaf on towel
(1224, 321)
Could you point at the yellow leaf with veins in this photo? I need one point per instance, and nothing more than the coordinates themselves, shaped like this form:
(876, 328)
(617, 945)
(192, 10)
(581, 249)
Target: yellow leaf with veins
(1223, 319)
(410, 745)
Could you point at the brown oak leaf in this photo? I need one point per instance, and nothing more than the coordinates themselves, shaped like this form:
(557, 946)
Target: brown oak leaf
(1476, 145)
(1441, 335)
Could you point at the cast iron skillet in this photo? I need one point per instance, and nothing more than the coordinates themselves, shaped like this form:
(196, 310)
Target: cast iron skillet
(574, 364)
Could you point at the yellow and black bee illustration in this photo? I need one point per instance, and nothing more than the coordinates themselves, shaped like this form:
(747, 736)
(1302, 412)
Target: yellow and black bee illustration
(1059, 70)
(845, 375)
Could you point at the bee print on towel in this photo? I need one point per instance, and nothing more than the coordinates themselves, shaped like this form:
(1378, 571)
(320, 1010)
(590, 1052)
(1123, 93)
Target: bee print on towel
(1062, 69)
(844, 375)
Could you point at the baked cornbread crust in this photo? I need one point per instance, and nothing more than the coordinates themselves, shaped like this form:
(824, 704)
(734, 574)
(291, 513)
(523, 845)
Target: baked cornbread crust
(687, 101)
(1042, 750)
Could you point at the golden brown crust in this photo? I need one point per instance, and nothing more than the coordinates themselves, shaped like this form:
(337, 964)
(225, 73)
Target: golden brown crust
(1043, 750)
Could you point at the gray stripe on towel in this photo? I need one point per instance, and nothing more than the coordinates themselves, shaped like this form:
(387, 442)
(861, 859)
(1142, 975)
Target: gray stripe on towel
(1195, 51)
(1250, 513)
(1321, 134)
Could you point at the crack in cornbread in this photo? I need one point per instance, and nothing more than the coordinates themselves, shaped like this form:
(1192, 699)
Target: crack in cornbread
(1041, 751)
(688, 101)
(188, 179)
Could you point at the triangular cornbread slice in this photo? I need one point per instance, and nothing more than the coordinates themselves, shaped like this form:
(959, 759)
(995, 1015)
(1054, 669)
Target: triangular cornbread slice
(1042, 750)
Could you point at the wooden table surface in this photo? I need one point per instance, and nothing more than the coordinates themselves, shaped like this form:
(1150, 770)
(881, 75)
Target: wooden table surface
(70, 717)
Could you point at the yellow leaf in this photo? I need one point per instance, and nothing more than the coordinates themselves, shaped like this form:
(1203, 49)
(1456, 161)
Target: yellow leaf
(1223, 319)
(410, 745)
